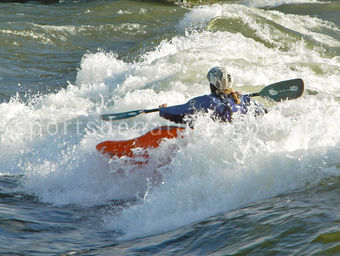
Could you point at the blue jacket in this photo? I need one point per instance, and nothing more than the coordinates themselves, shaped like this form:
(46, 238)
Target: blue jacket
(222, 109)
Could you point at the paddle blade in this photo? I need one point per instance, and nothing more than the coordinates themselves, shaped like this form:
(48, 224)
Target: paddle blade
(284, 90)
(126, 115)
(120, 116)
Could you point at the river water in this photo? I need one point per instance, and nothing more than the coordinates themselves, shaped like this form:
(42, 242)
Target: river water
(259, 186)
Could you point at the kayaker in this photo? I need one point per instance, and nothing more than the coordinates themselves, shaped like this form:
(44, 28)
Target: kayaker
(222, 102)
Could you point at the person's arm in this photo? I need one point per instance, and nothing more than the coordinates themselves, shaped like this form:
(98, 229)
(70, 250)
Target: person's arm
(259, 108)
(175, 113)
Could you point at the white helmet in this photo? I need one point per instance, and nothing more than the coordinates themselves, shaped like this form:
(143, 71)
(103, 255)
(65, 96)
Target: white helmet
(219, 78)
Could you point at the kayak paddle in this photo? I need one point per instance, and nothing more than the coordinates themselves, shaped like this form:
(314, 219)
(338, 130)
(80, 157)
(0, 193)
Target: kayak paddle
(284, 90)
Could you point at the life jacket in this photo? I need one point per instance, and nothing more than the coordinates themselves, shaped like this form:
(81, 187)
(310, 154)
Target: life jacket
(221, 108)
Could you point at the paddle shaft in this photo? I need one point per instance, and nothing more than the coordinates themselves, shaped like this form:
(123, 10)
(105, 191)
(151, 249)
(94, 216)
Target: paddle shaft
(151, 110)
(253, 94)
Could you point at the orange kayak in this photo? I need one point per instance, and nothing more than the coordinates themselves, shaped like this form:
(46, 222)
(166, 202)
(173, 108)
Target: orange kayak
(149, 140)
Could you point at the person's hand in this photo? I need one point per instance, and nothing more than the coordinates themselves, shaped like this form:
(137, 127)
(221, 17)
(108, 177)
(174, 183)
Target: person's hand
(163, 106)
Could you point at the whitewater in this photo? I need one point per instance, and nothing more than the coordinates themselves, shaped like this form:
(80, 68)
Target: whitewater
(218, 173)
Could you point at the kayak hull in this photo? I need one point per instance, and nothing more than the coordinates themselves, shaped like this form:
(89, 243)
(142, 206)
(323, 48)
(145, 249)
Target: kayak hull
(150, 139)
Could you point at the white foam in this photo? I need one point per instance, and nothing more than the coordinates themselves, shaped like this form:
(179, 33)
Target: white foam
(274, 3)
(257, 20)
(230, 166)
